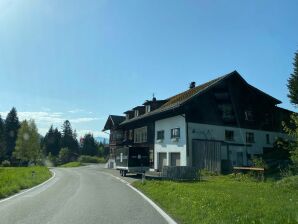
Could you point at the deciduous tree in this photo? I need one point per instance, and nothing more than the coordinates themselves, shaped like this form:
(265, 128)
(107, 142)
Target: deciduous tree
(27, 148)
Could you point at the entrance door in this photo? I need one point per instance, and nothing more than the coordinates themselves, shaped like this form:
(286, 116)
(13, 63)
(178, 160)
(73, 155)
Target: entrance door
(175, 159)
(162, 160)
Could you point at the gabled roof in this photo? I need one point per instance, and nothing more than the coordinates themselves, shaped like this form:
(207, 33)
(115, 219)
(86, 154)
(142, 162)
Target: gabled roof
(113, 121)
(181, 98)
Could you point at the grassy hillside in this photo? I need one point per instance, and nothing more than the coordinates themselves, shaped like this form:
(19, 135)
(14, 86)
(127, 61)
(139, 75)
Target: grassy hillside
(225, 200)
(14, 179)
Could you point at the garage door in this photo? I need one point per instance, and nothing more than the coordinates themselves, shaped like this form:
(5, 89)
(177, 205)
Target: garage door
(206, 155)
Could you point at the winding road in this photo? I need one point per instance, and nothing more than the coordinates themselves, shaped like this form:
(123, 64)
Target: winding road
(83, 195)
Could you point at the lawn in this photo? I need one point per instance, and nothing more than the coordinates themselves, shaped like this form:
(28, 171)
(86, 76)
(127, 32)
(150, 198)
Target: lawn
(224, 200)
(14, 179)
(72, 164)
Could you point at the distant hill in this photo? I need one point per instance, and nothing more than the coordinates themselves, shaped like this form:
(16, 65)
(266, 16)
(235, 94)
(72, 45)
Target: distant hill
(102, 139)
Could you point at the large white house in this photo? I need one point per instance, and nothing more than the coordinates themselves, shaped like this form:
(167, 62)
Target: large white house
(216, 125)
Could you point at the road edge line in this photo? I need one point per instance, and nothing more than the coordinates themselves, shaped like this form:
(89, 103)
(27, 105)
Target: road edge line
(168, 218)
(29, 189)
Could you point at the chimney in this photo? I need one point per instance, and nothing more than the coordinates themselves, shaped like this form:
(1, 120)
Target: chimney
(192, 85)
(153, 98)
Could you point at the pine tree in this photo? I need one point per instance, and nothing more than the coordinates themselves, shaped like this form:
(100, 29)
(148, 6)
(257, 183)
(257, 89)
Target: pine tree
(2, 140)
(89, 145)
(293, 83)
(27, 148)
(52, 142)
(292, 129)
(12, 126)
(69, 140)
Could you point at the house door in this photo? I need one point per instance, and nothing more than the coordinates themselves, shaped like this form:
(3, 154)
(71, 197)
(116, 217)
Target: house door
(175, 159)
(162, 160)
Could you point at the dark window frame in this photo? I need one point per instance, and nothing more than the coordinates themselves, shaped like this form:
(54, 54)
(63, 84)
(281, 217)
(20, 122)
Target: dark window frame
(175, 133)
(160, 135)
(250, 137)
(229, 137)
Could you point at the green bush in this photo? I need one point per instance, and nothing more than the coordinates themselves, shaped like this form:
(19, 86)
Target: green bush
(290, 182)
(91, 159)
(5, 163)
(64, 155)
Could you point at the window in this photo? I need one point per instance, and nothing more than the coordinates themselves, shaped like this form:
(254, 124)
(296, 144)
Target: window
(227, 112)
(175, 133)
(160, 135)
(140, 135)
(127, 116)
(136, 113)
(250, 137)
(148, 108)
(130, 137)
(229, 135)
(248, 115)
(267, 138)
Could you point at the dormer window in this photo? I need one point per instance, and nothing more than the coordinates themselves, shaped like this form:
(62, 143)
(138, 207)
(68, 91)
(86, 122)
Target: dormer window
(148, 108)
(136, 113)
(127, 116)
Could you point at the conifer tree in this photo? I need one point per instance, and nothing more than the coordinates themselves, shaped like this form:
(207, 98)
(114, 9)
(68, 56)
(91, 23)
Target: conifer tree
(12, 126)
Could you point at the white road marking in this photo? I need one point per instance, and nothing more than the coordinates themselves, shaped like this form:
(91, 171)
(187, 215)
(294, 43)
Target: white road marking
(30, 189)
(157, 208)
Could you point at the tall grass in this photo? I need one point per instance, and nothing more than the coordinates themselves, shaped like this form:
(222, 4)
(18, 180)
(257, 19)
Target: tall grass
(225, 200)
(14, 179)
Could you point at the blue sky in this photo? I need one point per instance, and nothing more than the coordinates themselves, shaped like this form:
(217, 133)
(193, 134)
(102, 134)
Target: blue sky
(82, 59)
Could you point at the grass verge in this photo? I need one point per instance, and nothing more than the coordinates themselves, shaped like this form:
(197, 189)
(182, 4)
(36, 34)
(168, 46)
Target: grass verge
(14, 179)
(72, 164)
(224, 200)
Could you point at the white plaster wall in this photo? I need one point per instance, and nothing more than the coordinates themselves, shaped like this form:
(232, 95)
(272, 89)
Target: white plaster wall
(167, 145)
(213, 132)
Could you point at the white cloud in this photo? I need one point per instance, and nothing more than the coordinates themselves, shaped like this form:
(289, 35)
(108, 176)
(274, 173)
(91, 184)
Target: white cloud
(75, 111)
(45, 119)
(95, 133)
(83, 119)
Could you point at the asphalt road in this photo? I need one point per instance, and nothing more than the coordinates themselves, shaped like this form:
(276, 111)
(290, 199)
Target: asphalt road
(83, 195)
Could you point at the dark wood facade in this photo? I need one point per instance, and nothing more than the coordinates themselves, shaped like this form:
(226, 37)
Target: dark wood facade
(235, 103)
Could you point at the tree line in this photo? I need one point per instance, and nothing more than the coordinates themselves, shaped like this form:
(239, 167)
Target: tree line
(21, 144)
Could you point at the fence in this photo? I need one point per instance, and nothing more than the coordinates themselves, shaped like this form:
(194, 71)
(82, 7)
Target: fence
(180, 173)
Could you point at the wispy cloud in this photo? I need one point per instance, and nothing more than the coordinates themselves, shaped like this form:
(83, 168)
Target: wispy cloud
(75, 111)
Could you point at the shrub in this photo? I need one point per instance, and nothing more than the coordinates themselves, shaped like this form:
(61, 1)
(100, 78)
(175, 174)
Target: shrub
(64, 155)
(288, 182)
(5, 163)
(91, 159)
(206, 173)
(88, 159)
